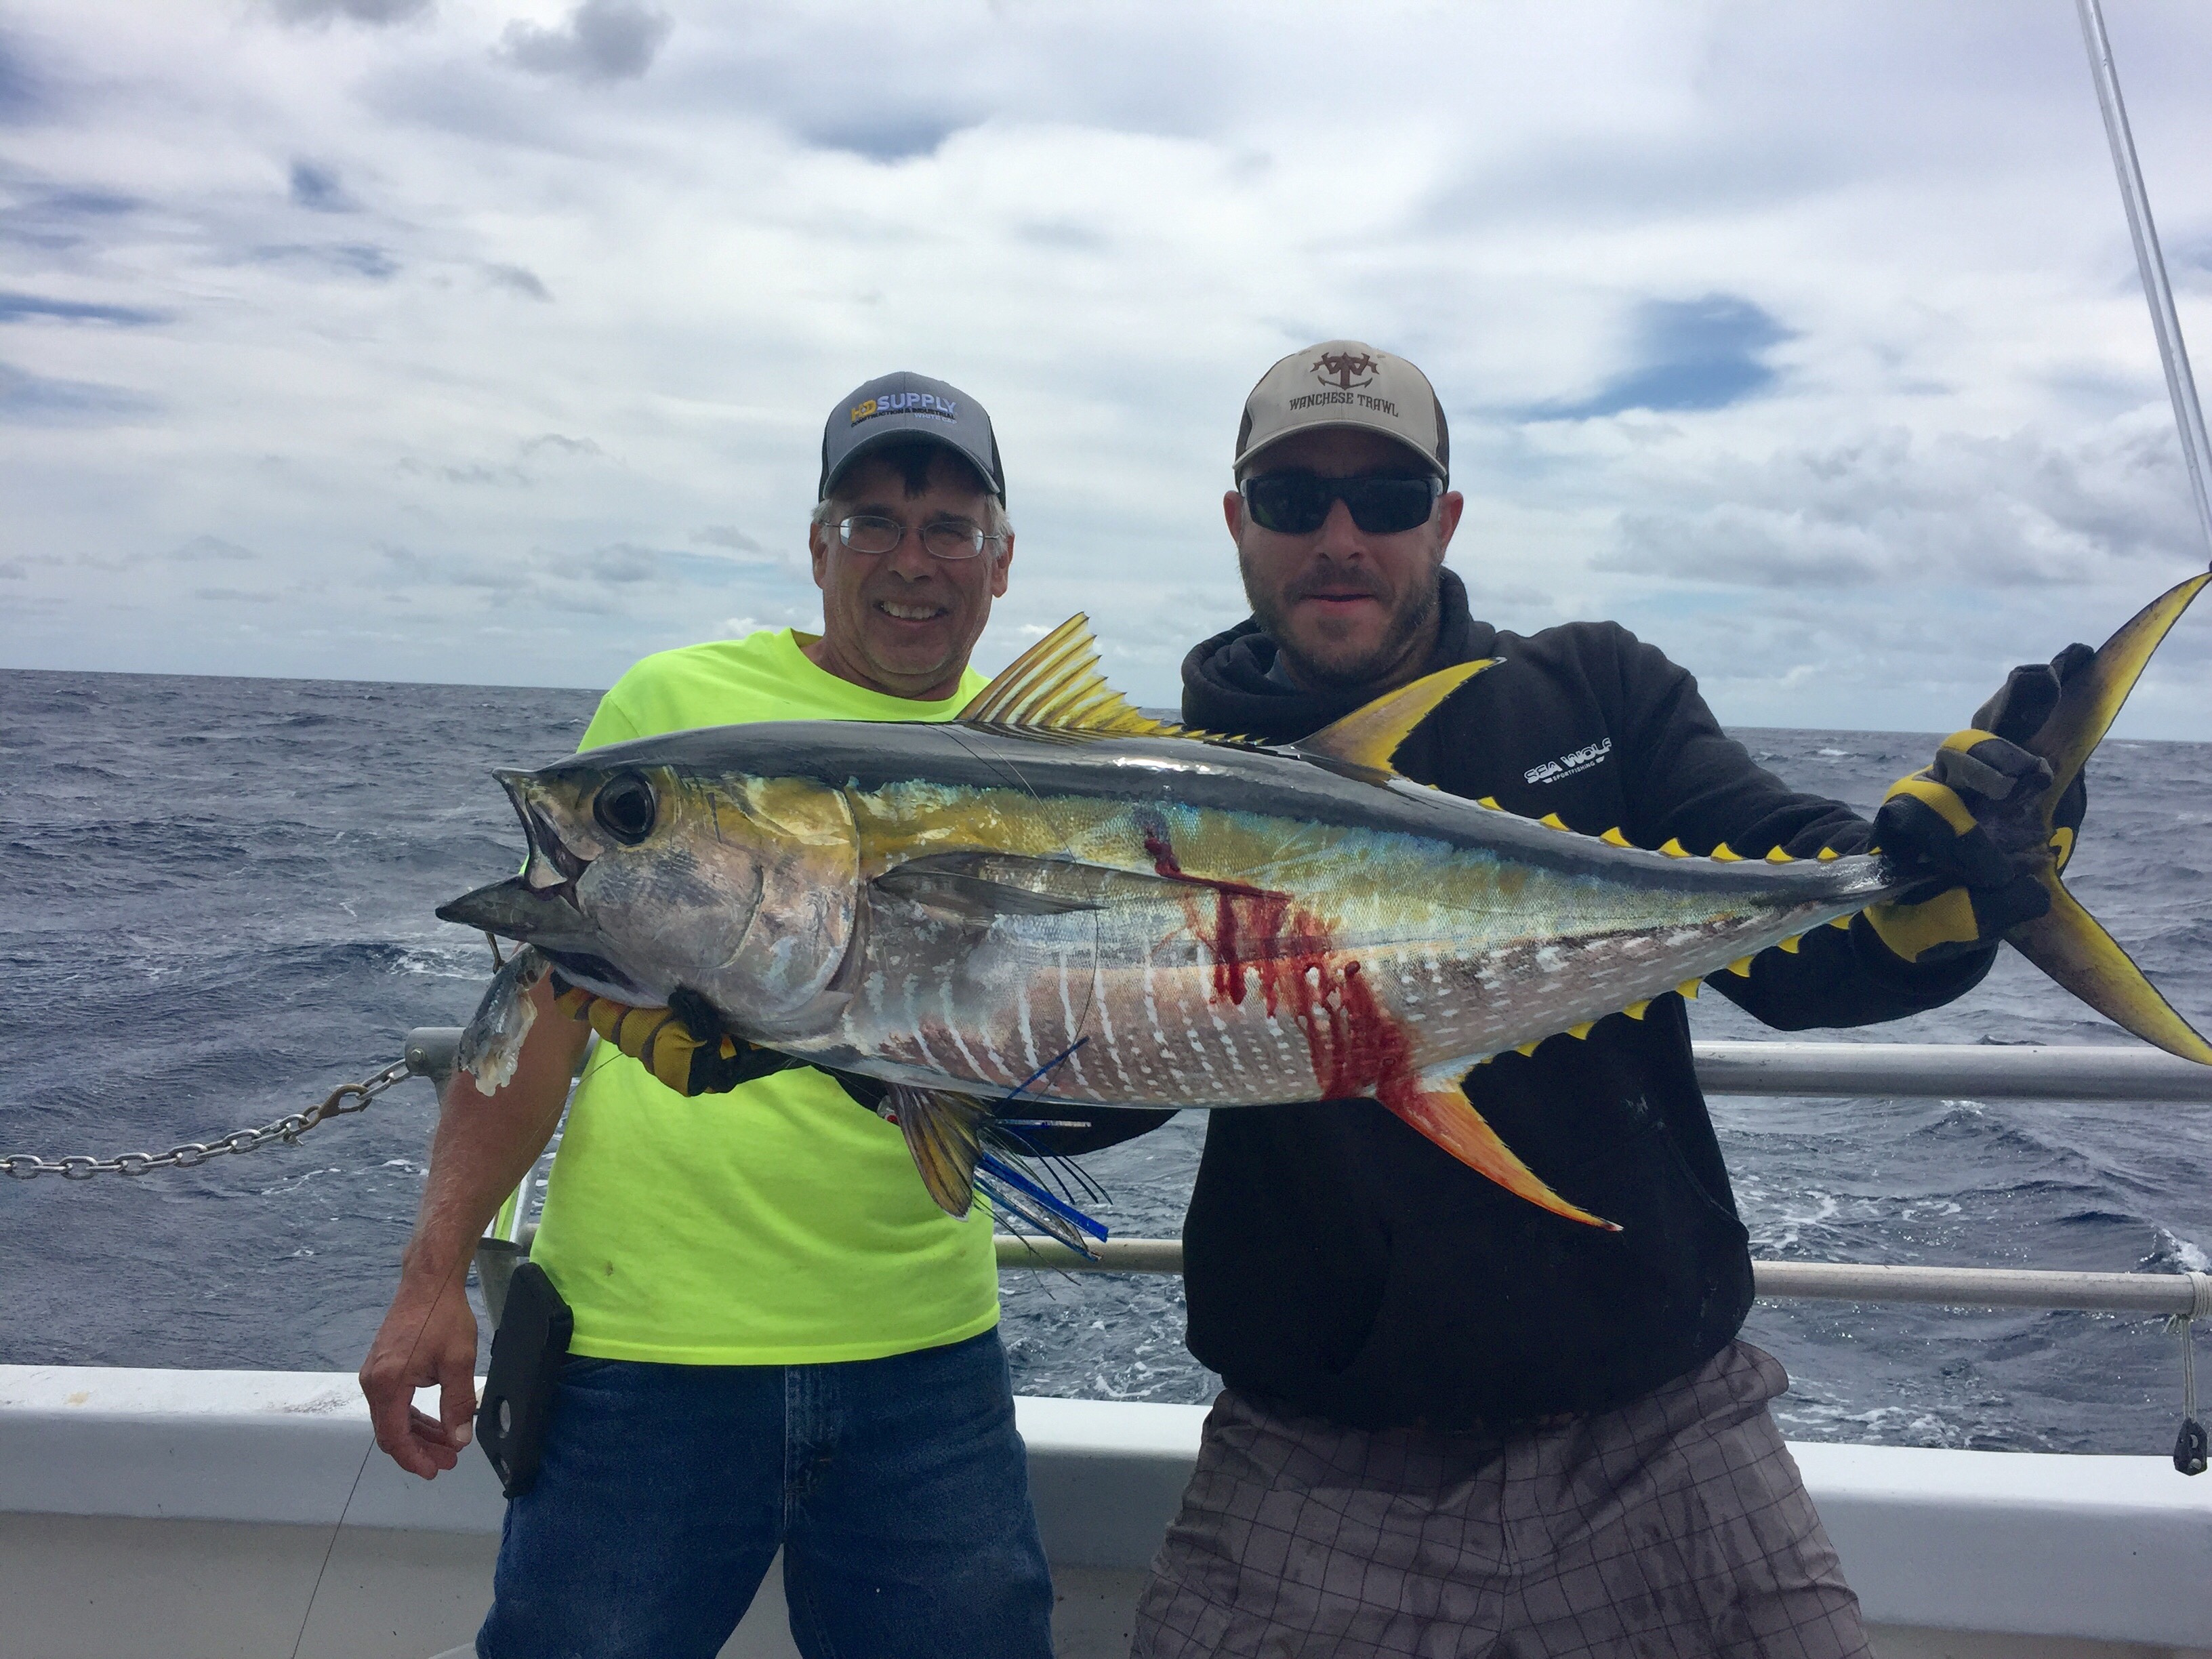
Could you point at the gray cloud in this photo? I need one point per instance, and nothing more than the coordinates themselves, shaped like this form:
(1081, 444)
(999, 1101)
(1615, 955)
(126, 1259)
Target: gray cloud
(27, 399)
(1898, 511)
(520, 279)
(359, 258)
(24, 94)
(1686, 355)
(201, 549)
(17, 307)
(55, 221)
(729, 536)
(319, 190)
(880, 133)
(602, 41)
(12, 570)
(376, 13)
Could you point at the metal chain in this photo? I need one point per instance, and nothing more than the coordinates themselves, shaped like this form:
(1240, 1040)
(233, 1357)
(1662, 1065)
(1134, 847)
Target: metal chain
(347, 1097)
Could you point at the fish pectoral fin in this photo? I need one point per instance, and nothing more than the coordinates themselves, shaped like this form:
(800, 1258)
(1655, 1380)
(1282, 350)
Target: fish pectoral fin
(2070, 944)
(972, 896)
(1369, 737)
(1055, 686)
(983, 886)
(944, 1134)
(1441, 1110)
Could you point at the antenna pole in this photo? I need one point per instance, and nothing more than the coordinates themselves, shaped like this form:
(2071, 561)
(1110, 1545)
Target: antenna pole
(2181, 385)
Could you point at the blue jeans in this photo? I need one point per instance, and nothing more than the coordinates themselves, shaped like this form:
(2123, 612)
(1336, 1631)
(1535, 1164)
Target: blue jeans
(897, 1488)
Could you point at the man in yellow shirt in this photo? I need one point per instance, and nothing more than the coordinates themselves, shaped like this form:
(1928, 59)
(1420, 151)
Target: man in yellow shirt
(780, 1340)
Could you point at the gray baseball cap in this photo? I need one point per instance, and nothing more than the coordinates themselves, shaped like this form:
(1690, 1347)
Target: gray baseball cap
(1346, 383)
(908, 405)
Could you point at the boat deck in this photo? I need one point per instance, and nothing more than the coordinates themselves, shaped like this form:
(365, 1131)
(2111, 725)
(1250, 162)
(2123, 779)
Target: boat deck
(189, 1514)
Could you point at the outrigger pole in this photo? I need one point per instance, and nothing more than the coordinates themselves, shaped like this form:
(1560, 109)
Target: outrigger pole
(2181, 385)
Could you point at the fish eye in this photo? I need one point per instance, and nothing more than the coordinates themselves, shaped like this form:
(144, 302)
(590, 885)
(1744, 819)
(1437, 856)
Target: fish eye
(624, 808)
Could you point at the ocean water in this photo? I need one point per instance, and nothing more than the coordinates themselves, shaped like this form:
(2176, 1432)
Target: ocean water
(215, 902)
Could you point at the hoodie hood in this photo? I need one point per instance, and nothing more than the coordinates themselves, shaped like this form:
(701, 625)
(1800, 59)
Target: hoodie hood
(1229, 682)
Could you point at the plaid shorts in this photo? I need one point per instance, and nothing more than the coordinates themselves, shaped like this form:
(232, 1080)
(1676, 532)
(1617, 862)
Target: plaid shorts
(1675, 1526)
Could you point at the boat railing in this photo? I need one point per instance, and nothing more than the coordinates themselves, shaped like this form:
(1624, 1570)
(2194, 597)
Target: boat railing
(1895, 1070)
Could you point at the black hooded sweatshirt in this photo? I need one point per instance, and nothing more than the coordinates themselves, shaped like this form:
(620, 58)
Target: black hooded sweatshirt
(1341, 1265)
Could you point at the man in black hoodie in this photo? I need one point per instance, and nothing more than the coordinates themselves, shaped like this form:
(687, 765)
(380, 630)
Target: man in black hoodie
(1446, 1410)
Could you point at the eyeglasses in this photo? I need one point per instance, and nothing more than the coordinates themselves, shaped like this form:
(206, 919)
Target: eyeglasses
(944, 538)
(1297, 503)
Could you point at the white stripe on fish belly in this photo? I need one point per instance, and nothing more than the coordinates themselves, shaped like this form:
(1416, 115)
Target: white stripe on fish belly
(1159, 1032)
(1071, 1036)
(1111, 1042)
(1022, 1014)
(952, 1028)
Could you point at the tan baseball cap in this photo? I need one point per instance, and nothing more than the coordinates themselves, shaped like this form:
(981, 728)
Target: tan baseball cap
(1341, 383)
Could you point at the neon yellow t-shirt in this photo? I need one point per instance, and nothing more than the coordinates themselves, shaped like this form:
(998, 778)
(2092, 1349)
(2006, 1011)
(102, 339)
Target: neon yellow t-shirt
(779, 1223)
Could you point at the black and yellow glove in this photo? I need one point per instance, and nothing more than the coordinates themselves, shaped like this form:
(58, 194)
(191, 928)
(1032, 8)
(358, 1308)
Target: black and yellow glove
(684, 1045)
(1971, 821)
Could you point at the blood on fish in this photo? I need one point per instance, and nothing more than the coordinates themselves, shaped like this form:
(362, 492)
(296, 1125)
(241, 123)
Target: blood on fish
(1356, 1049)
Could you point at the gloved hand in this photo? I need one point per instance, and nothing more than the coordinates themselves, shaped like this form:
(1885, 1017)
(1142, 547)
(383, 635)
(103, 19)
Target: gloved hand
(1974, 822)
(684, 1045)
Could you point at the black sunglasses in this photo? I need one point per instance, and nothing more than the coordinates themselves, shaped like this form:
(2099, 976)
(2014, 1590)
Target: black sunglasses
(1297, 503)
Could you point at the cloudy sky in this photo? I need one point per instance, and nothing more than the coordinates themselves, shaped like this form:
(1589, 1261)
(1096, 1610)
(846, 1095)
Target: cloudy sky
(490, 340)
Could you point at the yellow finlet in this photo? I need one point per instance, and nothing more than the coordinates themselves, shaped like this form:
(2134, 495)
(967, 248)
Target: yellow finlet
(1675, 849)
(1529, 1048)
(1055, 686)
(1776, 855)
(1740, 967)
(1725, 854)
(1369, 737)
(1637, 1009)
(1792, 944)
(1843, 922)
(1553, 821)
(1828, 853)
(1615, 838)
(1688, 987)
(1490, 801)
(1578, 1032)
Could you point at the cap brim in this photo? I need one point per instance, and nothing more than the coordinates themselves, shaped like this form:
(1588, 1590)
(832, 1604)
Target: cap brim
(891, 434)
(1429, 463)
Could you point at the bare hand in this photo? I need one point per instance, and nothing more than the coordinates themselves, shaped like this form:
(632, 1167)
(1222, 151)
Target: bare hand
(428, 1336)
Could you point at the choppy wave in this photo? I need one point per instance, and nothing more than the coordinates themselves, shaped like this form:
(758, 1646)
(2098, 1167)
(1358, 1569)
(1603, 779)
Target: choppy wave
(219, 898)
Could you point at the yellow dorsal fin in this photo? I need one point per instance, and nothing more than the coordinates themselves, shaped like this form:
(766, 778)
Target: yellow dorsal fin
(1776, 855)
(1615, 838)
(1055, 686)
(1726, 855)
(1553, 821)
(1369, 737)
(1828, 853)
(1637, 1009)
(1675, 849)
(1688, 987)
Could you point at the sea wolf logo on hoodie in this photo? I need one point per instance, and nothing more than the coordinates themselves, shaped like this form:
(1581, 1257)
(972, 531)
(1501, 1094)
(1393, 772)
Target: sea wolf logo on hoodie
(1553, 770)
(1347, 369)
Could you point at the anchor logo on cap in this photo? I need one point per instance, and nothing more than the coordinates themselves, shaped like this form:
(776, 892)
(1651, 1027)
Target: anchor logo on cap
(1342, 366)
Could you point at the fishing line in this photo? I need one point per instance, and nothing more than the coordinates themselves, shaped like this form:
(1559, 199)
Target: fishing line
(315, 1591)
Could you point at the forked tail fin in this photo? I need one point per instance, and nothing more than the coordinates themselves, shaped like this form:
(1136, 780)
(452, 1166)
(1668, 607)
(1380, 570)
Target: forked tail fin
(2067, 943)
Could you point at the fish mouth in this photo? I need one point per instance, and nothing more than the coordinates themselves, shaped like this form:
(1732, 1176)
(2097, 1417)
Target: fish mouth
(548, 919)
(554, 867)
